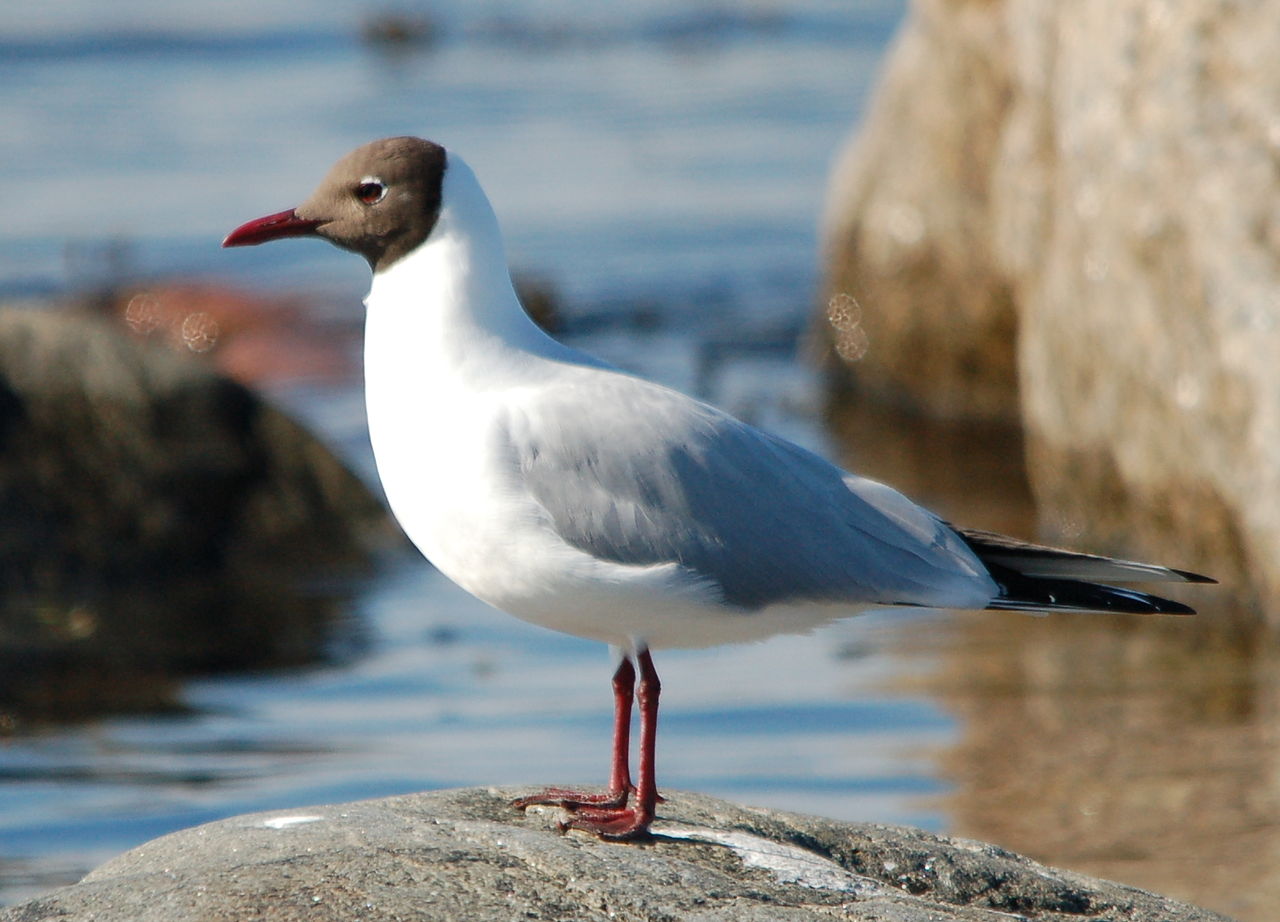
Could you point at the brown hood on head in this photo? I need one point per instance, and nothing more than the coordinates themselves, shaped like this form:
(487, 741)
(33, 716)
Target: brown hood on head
(381, 201)
(410, 172)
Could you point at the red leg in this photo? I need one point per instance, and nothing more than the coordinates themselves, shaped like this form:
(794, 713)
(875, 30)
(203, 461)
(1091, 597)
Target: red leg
(620, 786)
(624, 691)
(619, 822)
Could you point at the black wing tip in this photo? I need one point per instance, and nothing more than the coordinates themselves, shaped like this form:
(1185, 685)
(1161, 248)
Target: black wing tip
(1020, 592)
(1190, 577)
(1160, 606)
(1151, 605)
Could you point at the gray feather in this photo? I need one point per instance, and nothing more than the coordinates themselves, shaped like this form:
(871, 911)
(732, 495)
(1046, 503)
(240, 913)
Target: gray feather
(643, 475)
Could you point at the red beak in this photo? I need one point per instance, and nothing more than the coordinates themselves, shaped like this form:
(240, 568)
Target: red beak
(272, 227)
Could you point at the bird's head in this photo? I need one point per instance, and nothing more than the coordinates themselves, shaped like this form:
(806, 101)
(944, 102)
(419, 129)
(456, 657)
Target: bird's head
(381, 200)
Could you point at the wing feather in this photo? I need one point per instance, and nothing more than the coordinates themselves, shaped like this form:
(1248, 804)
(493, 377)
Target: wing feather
(642, 475)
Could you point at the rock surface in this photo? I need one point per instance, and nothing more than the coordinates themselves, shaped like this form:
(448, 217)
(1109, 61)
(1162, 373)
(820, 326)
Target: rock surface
(468, 855)
(1098, 182)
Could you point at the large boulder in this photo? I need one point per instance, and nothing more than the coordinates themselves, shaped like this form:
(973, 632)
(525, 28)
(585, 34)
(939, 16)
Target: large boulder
(1102, 179)
(155, 517)
(1141, 186)
(468, 856)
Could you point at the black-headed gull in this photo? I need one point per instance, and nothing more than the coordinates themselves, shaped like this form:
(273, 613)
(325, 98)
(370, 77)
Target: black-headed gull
(584, 499)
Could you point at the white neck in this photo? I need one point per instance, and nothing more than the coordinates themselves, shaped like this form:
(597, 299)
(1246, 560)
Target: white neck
(445, 340)
(454, 291)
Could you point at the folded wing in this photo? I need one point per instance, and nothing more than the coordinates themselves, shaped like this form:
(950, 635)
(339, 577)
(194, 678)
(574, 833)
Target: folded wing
(642, 475)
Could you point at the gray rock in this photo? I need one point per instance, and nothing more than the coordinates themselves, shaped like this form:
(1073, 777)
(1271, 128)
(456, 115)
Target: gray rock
(1090, 188)
(468, 855)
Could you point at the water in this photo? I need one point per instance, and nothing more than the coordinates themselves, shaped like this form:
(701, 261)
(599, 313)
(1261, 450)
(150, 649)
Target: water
(662, 163)
(608, 145)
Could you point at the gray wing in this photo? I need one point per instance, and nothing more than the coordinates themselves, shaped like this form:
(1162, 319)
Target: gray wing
(634, 473)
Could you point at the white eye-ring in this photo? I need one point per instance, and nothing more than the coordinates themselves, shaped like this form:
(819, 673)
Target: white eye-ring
(371, 190)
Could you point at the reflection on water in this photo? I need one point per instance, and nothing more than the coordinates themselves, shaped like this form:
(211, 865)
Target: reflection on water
(128, 652)
(1137, 749)
(1142, 750)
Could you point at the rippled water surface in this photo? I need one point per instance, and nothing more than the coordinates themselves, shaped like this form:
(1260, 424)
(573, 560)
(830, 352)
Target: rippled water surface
(662, 166)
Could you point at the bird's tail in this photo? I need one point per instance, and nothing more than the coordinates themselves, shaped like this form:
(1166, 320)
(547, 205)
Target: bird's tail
(1034, 577)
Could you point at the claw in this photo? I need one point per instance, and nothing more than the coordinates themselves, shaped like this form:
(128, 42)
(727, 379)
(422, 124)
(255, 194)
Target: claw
(614, 825)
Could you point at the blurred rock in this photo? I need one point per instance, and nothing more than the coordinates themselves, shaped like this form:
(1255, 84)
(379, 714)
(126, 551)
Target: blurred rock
(1099, 179)
(156, 516)
(468, 855)
(394, 30)
(1141, 178)
(917, 308)
(252, 337)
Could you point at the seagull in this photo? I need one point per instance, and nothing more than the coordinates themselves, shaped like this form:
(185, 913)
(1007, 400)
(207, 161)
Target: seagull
(574, 495)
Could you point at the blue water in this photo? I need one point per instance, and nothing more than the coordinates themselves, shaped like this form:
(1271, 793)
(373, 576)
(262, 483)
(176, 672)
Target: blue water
(668, 157)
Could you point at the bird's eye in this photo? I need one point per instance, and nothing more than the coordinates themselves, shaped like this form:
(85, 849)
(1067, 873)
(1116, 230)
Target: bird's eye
(371, 191)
